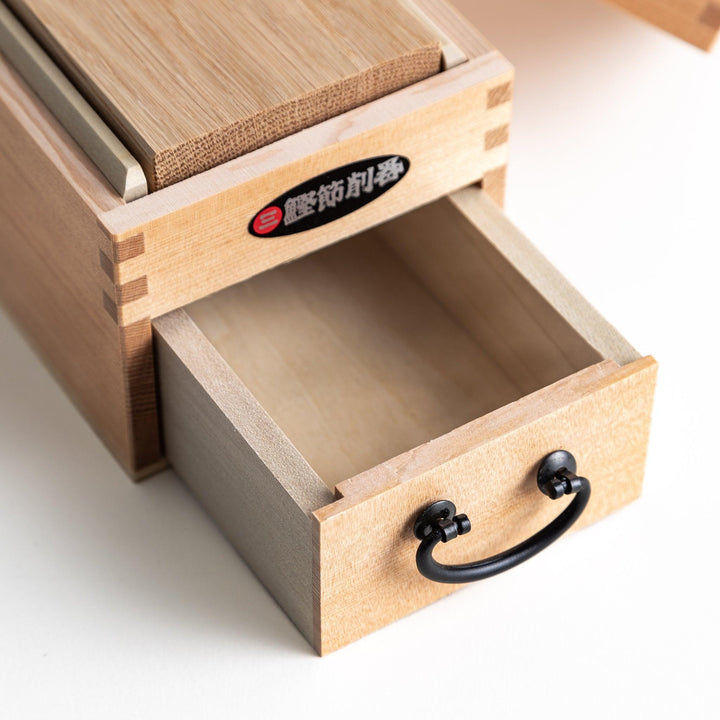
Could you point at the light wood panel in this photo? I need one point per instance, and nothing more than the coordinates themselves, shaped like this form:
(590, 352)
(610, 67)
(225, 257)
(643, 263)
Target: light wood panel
(188, 86)
(51, 280)
(696, 21)
(365, 574)
(240, 466)
(357, 356)
(351, 356)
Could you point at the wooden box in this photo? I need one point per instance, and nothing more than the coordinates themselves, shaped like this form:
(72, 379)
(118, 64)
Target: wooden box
(85, 271)
(317, 395)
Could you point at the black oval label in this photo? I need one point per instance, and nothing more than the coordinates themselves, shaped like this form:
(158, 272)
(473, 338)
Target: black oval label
(329, 196)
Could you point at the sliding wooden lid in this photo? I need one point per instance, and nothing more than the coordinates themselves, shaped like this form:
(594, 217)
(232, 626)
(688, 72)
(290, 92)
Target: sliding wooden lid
(190, 84)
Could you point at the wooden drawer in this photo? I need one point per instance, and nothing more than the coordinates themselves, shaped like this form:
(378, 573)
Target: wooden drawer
(317, 408)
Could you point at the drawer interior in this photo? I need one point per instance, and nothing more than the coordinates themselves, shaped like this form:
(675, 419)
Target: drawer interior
(382, 342)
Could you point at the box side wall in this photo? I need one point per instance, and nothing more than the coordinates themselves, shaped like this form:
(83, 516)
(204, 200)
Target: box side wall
(51, 278)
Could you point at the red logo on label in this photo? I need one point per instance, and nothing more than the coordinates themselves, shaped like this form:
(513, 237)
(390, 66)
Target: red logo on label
(267, 220)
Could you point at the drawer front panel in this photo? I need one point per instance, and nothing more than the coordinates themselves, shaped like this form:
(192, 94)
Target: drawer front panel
(364, 567)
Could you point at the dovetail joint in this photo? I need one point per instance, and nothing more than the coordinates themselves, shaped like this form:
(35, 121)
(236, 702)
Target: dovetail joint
(499, 95)
(497, 136)
(122, 293)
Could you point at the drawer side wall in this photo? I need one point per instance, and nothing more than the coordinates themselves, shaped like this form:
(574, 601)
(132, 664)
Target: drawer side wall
(245, 473)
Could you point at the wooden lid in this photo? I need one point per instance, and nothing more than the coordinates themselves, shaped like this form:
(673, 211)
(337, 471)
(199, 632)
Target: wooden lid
(190, 84)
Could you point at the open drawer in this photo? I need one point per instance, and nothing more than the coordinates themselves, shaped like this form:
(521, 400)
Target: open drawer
(316, 409)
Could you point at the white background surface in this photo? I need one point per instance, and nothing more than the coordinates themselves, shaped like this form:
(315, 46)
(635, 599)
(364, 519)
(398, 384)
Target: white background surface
(122, 601)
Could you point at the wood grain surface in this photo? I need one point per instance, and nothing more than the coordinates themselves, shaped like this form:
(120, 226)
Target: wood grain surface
(365, 574)
(360, 353)
(51, 279)
(239, 464)
(190, 85)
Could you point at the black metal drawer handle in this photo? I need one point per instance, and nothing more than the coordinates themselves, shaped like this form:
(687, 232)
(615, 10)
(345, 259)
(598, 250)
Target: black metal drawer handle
(439, 523)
